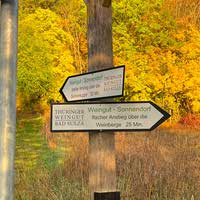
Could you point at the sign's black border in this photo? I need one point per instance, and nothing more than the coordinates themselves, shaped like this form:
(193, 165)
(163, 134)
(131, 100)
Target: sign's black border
(94, 72)
(165, 117)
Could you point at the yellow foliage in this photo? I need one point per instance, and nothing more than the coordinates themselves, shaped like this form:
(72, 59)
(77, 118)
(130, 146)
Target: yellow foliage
(171, 77)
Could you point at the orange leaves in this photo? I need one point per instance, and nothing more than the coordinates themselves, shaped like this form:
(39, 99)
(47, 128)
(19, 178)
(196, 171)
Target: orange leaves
(169, 77)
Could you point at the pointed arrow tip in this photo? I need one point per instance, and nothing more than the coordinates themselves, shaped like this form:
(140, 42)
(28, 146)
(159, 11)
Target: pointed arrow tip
(63, 95)
(165, 116)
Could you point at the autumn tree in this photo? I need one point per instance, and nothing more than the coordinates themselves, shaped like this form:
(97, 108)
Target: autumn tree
(160, 53)
(44, 59)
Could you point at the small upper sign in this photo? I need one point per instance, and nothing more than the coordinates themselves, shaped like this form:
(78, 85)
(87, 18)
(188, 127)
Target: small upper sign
(94, 85)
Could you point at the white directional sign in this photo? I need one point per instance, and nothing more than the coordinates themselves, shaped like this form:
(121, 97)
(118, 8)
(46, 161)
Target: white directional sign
(94, 85)
(135, 116)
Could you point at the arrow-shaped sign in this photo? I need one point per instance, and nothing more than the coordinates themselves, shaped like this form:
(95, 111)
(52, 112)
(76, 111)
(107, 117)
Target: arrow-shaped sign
(94, 85)
(108, 116)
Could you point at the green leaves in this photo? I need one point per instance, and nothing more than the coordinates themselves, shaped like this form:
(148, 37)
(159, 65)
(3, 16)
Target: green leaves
(146, 22)
(42, 55)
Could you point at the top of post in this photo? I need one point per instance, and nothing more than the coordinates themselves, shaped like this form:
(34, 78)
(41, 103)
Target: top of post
(105, 3)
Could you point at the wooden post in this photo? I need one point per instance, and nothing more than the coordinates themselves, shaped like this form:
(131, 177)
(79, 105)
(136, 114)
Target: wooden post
(8, 59)
(102, 164)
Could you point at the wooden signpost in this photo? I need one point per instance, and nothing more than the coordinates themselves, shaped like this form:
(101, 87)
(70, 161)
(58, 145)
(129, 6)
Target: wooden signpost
(102, 160)
(104, 117)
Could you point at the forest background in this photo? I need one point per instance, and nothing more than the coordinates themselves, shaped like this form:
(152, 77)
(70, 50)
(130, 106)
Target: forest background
(157, 40)
(159, 43)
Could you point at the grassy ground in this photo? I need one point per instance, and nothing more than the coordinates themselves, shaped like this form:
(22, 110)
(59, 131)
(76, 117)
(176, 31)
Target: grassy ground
(29, 143)
(39, 168)
(161, 165)
(32, 150)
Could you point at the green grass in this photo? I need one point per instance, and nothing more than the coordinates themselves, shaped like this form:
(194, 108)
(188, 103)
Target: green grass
(28, 143)
(38, 169)
(32, 150)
